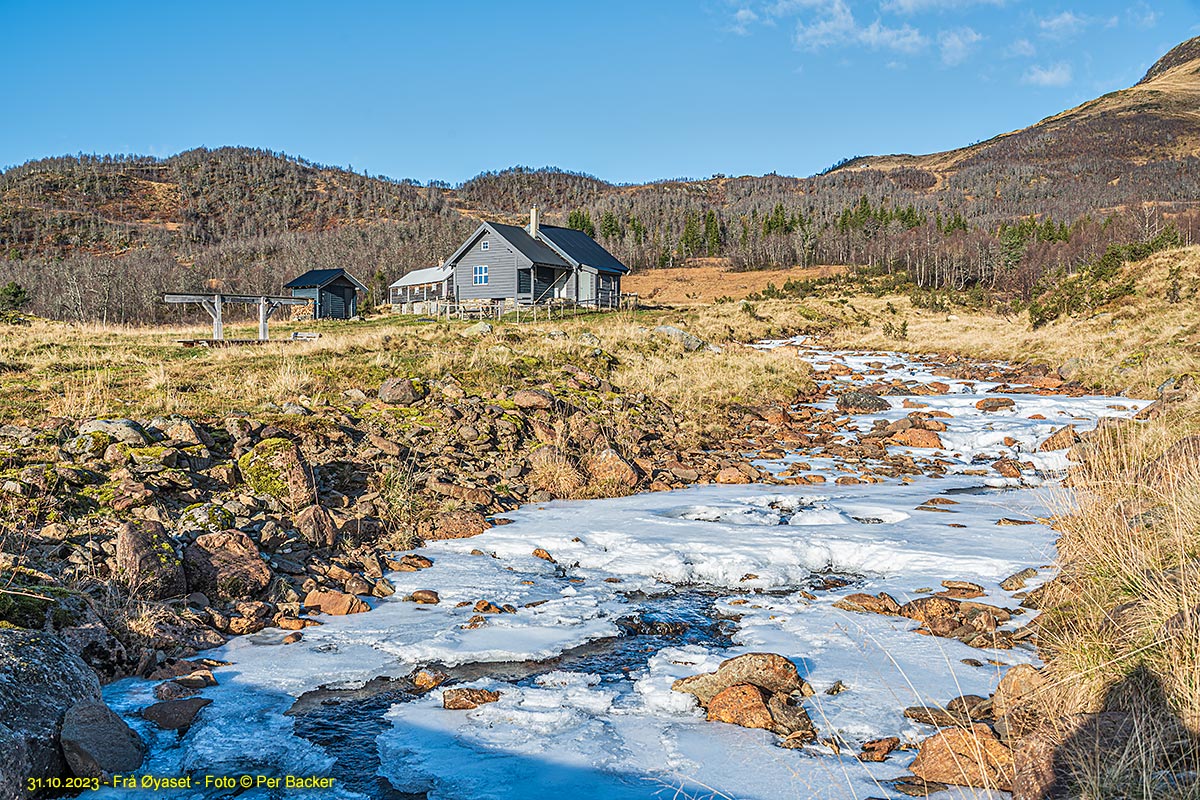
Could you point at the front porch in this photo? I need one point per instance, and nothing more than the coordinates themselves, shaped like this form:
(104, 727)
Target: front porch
(538, 285)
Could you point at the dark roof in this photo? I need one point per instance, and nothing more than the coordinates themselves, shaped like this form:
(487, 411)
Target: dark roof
(535, 251)
(583, 248)
(321, 277)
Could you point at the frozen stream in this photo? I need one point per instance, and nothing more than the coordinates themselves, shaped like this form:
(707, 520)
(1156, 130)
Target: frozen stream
(586, 708)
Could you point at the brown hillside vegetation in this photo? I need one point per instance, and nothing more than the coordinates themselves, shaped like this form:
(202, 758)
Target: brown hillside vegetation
(1158, 118)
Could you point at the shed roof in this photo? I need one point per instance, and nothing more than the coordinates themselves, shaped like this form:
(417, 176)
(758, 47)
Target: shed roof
(422, 276)
(322, 277)
(582, 248)
(535, 251)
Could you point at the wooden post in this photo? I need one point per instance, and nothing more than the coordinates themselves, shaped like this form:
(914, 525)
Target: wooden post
(263, 312)
(218, 325)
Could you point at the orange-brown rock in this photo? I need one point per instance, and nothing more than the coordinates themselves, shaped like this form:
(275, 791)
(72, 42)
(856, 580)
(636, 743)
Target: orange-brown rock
(1007, 467)
(881, 603)
(1061, 439)
(731, 475)
(768, 671)
(995, 403)
(965, 757)
(466, 698)
(741, 704)
(923, 609)
(331, 601)
(918, 437)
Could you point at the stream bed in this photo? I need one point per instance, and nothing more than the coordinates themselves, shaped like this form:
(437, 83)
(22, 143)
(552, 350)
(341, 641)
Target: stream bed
(644, 590)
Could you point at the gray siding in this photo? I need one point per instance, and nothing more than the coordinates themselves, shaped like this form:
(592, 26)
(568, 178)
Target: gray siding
(502, 265)
(587, 286)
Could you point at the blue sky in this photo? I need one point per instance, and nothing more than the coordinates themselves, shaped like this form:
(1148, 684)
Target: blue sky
(628, 91)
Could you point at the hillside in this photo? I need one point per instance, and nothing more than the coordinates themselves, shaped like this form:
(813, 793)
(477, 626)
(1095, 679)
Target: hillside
(100, 237)
(1124, 134)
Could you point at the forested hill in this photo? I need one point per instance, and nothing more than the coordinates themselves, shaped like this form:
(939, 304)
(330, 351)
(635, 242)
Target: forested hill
(101, 237)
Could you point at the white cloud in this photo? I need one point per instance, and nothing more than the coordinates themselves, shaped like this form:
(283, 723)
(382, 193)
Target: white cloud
(1053, 75)
(832, 23)
(956, 45)
(742, 20)
(1063, 25)
(916, 6)
(1021, 48)
(905, 39)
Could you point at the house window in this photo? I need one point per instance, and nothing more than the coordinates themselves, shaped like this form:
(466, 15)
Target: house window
(485, 246)
(479, 275)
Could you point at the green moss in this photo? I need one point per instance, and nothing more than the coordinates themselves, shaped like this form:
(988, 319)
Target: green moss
(259, 469)
(211, 517)
(58, 606)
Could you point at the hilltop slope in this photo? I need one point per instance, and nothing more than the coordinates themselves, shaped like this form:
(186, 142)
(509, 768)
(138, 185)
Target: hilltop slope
(1157, 119)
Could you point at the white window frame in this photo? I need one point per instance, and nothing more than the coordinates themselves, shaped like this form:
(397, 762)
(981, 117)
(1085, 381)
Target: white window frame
(485, 245)
(479, 275)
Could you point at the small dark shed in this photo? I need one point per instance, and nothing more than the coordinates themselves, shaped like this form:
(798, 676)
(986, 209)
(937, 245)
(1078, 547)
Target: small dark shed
(334, 292)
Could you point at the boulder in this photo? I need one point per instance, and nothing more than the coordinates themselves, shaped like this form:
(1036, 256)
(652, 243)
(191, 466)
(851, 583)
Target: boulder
(859, 402)
(689, 342)
(175, 715)
(225, 566)
(1061, 439)
(87, 446)
(425, 597)
(210, 517)
(878, 749)
(460, 524)
(331, 601)
(478, 329)
(96, 741)
(125, 431)
(965, 757)
(742, 704)
(991, 404)
(923, 609)
(401, 391)
(917, 437)
(731, 475)
(881, 603)
(40, 678)
(316, 525)
(467, 698)
(276, 468)
(610, 467)
(533, 399)
(1016, 581)
(1007, 467)
(768, 671)
(146, 560)
(1020, 681)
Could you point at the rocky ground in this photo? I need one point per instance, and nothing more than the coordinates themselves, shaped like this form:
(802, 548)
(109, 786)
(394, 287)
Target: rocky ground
(135, 545)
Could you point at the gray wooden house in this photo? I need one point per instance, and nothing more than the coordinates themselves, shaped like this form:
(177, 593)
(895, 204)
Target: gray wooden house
(534, 265)
(333, 292)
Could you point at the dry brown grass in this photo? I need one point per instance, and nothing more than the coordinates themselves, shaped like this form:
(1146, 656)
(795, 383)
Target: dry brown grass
(1122, 631)
(81, 372)
(710, 279)
(1133, 346)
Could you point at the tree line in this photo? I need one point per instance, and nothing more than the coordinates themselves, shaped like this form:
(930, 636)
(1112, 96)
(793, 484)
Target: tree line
(102, 237)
